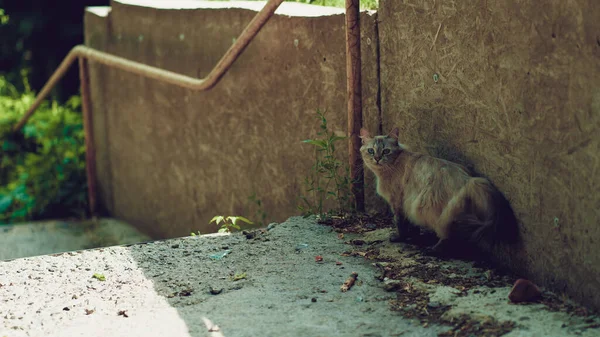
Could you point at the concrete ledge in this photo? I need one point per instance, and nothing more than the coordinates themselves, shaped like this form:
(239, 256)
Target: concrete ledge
(101, 11)
(295, 9)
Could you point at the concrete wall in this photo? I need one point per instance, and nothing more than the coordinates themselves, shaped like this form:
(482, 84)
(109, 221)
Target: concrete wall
(518, 97)
(169, 159)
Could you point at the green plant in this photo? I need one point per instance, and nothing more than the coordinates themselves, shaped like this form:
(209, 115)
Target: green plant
(229, 223)
(329, 177)
(3, 17)
(260, 212)
(42, 167)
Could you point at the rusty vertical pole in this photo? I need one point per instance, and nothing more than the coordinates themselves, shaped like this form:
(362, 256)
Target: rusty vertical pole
(90, 149)
(353, 78)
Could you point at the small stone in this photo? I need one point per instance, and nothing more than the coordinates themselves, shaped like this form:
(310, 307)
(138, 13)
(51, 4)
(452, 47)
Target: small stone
(214, 291)
(66, 309)
(175, 245)
(186, 292)
(524, 291)
(313, 299)
(271, 226)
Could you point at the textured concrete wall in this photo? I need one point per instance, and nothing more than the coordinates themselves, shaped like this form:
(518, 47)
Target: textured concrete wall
(168, 158)
(518, 97)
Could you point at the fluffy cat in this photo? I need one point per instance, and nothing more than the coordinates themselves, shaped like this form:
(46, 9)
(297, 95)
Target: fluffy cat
(434, 193)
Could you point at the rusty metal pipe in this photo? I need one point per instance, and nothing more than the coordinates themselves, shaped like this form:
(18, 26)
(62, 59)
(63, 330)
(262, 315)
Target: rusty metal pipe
(353, 77)
(88, 127)
(192, 83)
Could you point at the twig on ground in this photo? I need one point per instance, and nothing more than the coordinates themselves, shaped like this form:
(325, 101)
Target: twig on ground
(349, 282)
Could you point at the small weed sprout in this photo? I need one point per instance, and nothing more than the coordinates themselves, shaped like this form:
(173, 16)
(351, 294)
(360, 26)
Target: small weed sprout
(329, 177)
(228, 223)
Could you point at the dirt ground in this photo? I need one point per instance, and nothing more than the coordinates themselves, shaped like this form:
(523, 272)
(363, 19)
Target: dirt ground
(284, 281)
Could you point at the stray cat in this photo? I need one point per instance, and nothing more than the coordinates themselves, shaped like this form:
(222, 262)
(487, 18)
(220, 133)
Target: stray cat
(434, 193)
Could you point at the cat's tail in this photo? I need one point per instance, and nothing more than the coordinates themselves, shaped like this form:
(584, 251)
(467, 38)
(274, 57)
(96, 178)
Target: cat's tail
(490, 218)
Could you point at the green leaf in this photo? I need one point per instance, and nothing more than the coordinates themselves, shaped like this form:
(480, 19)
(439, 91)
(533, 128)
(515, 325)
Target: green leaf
(20, 192)
(99, 277)
(8, 145)
(5, 203)
(19, 214)
(30, 131)
(217, 218)
(234, 219)
(238, 277)
(319, 143)
(337, 138)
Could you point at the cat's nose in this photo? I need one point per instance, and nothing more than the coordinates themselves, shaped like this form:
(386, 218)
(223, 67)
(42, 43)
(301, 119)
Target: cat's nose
(377, 159)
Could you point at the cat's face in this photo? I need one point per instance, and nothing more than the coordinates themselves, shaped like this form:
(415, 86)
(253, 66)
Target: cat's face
(379, 150)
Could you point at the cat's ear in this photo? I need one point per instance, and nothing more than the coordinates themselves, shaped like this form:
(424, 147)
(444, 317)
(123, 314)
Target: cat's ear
(394, 133)
(364, 135)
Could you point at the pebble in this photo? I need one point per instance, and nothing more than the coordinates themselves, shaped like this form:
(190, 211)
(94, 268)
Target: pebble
(524, 291)
(214, 291)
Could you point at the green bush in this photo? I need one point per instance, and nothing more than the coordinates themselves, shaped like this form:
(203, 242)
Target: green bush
(42, 167)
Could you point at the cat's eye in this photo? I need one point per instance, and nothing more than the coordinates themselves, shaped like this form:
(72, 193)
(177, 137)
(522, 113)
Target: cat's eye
(371, 151)
(386, 151)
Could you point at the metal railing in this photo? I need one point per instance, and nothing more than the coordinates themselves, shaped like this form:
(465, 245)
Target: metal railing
(84, 54)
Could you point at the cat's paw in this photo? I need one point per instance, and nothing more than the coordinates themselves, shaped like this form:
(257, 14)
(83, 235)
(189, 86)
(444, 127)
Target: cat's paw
(437, 250)
(433, 251)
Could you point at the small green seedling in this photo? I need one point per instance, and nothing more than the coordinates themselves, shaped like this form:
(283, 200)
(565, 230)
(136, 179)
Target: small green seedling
(329, 177)
(99, 277)
(227, 223)
(194, 234)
